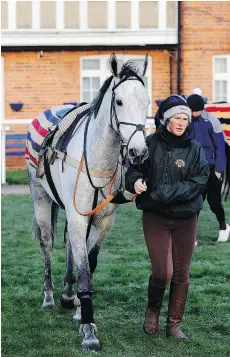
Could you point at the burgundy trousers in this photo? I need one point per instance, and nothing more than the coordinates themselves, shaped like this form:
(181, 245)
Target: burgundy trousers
(170, 244)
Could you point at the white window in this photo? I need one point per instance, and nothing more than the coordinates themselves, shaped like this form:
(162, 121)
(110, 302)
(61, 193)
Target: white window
(221, 78)
(95, 70)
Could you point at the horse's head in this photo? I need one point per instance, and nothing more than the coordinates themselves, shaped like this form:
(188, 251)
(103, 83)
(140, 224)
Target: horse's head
(129, 108)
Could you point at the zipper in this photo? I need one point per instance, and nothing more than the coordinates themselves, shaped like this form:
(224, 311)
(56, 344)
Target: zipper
(167, 167)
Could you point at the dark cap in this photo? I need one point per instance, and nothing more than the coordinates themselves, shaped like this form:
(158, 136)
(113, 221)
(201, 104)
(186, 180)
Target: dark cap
(172, 105)
(195, 102)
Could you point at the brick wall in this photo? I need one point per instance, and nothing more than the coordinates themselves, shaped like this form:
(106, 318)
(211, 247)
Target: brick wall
(55, 79)
(205, 33)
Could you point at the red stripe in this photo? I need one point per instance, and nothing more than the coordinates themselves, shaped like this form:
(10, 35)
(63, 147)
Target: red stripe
(218, 109)
(227, 133)
(26, 151)
(32, 158)
(42, 131)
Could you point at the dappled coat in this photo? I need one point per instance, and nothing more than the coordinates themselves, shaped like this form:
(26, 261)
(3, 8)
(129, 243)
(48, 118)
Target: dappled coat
(176, 173)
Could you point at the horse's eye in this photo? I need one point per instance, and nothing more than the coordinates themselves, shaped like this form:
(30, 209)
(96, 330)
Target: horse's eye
(119, 102)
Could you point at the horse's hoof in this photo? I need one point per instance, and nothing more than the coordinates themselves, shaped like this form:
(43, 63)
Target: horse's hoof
(67, 302)
(89, 342)
(48, 304)
(91, 345)
(77, 316)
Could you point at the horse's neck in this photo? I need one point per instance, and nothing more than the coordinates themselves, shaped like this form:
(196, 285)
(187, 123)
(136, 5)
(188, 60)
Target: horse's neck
(103, 143)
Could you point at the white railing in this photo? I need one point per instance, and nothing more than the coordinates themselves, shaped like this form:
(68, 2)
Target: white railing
(5, 127)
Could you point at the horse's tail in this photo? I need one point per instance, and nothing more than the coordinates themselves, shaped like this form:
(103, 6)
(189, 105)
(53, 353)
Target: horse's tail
(36, 232)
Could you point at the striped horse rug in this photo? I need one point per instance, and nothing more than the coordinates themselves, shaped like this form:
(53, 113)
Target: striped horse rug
(40, 128)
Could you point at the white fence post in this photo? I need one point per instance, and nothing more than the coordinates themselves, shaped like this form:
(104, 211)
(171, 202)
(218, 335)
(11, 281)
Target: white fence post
(4, 128)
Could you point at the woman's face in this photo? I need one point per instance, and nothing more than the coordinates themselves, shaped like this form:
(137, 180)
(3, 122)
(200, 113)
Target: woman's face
(178, 124)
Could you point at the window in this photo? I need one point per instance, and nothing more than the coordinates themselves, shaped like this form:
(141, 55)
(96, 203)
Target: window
(4, 12)
(97, 14)
(24, 14)
(171, 14)
(221, 78)
(123, 14)
(148, 14)
(95, 70)
(72, 14)
(48, 14)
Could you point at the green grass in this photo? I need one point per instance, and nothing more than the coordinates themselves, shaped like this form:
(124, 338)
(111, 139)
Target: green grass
(120, 285)
(19, 177)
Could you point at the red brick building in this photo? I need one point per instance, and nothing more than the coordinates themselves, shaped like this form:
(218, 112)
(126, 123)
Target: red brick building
(55, 52)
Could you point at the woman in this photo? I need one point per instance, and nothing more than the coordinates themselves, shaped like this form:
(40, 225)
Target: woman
(169, 185)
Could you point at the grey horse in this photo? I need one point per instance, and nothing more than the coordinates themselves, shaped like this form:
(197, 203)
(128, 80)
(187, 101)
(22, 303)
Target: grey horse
(115, 120)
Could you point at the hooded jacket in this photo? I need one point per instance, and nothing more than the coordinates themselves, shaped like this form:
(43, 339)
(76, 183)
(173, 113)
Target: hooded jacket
(210, 136)
(176, 173)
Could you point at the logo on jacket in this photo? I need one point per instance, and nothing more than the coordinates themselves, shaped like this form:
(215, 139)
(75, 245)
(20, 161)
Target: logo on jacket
(180, 163)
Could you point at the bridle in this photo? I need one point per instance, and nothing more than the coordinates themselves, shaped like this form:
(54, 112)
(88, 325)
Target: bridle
(113, 114)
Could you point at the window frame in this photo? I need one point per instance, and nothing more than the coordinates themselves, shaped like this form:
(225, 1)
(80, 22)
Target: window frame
(221, 76)
(104, 72)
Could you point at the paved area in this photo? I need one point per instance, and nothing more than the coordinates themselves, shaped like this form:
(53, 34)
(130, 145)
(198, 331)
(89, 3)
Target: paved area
(15, 189)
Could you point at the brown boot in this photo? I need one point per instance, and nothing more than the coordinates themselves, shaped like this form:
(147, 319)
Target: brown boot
(177, 300)
(155, 298)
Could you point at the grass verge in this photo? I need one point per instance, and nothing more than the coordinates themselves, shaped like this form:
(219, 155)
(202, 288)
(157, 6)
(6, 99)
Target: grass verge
(19, 177)
(120, 292)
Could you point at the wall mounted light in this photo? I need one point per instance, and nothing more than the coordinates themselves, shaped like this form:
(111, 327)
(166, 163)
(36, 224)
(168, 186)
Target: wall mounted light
(40, 54)
(16, 106)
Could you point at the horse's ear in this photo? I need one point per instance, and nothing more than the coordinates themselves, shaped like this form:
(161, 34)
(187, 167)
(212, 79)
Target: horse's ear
(145, 64)
(113, 64)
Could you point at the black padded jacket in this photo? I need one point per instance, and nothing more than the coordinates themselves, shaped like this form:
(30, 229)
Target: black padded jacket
(176, 173)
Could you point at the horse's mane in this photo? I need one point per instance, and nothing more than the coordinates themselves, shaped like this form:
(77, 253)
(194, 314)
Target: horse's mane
(96, 104)
(129, 69)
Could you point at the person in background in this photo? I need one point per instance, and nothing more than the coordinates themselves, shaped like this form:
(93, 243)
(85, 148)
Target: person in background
(211, 138)
(212, 118)
(169, 185)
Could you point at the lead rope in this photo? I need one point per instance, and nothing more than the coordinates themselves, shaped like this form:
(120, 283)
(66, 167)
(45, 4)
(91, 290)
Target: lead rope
(101, 205)
(105, 202)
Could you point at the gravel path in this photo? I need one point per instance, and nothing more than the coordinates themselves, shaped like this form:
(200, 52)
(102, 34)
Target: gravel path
(15, 189)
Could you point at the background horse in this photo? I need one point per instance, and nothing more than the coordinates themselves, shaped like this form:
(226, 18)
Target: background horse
(115, 119)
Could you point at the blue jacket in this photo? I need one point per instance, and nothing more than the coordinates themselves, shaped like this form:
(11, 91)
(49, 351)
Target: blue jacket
(212, 142)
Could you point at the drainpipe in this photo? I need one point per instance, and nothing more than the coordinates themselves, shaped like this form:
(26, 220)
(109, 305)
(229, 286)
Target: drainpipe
(170, 71)
(179, 48)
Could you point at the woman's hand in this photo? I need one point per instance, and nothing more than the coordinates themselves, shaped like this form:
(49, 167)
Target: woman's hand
(218, 174)
(140, 186)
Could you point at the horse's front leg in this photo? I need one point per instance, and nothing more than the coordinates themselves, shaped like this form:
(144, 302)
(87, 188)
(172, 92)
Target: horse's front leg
(77, 227)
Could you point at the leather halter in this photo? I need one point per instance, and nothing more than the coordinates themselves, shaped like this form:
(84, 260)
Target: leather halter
(139, 127)
(113, 113)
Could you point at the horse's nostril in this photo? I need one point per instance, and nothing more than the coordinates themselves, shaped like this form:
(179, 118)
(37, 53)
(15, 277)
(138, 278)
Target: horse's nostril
(146, 154)
(133, 152)
(137, 160)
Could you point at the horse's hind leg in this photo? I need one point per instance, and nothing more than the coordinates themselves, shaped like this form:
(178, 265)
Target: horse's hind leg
(68, 295)
(46, 241)
(45, 220)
